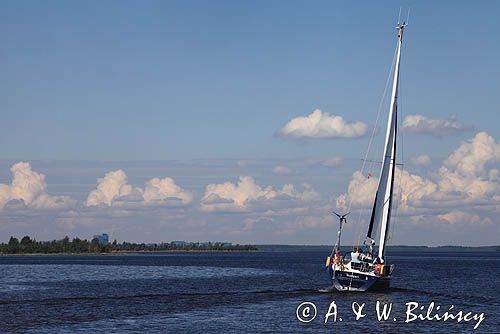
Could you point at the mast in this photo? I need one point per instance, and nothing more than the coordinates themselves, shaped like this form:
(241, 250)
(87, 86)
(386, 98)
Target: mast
(381, 212)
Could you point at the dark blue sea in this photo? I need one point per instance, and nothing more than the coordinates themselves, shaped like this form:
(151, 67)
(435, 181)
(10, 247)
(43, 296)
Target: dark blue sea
(228, 292)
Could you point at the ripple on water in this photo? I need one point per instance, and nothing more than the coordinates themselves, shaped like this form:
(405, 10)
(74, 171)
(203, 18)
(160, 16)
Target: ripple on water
(14, 274)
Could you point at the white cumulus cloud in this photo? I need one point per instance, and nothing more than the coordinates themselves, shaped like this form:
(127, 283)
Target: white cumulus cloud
(229, 196)
(360, 192)
(320, 124)
(112, 185)
(113, 190)
(30, 188)
(474, 168)
(160, 189)
(436, 127)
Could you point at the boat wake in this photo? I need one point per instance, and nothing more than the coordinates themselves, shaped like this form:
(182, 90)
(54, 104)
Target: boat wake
(329, 289)
(463, 298)
(285, 293)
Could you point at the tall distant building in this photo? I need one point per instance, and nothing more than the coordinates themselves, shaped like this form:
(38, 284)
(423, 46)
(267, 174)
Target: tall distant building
(103, 238)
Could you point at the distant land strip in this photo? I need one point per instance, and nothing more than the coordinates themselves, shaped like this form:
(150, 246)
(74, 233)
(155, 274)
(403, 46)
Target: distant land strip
(389, 249)
(27, 245)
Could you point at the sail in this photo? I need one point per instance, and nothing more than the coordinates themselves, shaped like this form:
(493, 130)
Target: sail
(381, 212)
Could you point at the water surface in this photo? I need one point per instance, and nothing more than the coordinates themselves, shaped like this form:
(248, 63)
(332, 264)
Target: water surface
(233, 292)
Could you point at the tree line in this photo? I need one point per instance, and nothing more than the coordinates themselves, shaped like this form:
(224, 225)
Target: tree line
(31, 246)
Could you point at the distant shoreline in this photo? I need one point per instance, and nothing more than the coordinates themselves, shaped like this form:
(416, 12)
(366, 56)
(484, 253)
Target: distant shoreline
(100, 244)
(269, 248)
(134, 252)
(398, 248)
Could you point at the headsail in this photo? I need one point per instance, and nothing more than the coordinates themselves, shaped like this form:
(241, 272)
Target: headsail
(381, 212)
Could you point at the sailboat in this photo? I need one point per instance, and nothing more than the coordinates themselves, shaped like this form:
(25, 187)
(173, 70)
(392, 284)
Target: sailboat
(363, 270)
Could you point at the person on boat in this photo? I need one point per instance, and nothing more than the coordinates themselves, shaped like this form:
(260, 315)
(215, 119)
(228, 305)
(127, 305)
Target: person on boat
(336, 257)
(366, 257)
(355, 255)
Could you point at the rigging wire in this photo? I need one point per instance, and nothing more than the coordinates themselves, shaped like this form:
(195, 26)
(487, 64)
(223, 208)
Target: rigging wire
(382, 104)
(358, 231)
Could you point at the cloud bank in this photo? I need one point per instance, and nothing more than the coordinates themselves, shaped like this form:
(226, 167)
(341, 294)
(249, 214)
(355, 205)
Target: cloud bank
(29, 189)
(457, 198)
(419, 124)
(323, 125)
(468, 178)
(113, 190)
(248, 194)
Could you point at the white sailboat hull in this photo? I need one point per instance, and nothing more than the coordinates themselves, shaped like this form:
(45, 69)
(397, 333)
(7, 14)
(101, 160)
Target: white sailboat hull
(344, 280)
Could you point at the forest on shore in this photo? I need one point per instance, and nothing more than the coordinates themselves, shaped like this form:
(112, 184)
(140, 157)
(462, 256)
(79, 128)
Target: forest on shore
(27, 245)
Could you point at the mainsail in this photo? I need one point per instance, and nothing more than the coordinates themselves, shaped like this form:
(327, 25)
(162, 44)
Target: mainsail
(381, 212)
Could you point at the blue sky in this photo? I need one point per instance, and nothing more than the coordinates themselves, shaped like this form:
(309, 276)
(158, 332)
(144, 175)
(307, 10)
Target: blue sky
(183, 80)
(157, 82)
